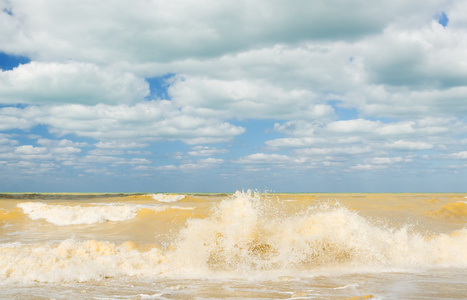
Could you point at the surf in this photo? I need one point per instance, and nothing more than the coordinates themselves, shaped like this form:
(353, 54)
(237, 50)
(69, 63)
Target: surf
(246, 235)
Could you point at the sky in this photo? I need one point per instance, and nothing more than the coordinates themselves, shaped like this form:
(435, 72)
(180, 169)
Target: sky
(218, 96)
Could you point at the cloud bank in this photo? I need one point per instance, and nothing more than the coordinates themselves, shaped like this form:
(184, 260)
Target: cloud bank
(322, 94)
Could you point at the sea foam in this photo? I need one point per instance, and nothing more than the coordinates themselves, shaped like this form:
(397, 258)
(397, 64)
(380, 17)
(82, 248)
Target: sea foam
(73, 215)
(74, 261)
(247, 232)
(167, 197)
(62, 215)
(244, 235)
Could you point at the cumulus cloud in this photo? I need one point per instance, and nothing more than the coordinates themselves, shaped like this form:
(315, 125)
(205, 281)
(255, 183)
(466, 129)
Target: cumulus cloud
(61, 143)
(357, 86)
(119, 145)
(14, 118)
(352, 150)
(387, 160)
(379, 74)
(360, 130)
(201, 164)
(5, 140)
(261, 158)
(106, 152)
(70, 82)
(244, 99)
(148, 31)
(457, 155)
(206, 151)
(409, 145)
(295, 142)
(30, 150)
(144, 121)
(367, 167)
(366, 145)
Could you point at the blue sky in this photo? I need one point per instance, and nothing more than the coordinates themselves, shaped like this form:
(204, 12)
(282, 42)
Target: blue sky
(210, 96)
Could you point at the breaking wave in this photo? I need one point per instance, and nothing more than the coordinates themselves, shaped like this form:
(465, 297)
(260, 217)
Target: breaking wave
(245, 235)
(167, 197)
(247, 232)
(73, 215)
(62, 215)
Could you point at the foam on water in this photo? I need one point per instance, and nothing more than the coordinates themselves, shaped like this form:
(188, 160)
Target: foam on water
(167, 197)
(246, 235)
(249, 233)
(71, 261)
(62, 215)
(92, 213)
(73, 215)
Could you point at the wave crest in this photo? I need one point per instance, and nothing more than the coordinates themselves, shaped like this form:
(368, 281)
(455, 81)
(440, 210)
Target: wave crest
(249, 232)
(167, 197)
(74, 215)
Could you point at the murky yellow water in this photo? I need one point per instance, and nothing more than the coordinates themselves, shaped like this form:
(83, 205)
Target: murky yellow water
(241, 246)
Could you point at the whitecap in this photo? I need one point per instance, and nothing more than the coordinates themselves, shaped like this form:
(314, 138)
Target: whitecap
(73, 215)
(167, 197)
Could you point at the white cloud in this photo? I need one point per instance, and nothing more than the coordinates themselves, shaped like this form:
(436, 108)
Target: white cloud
(99, 159)
(410, 145)
(387, 160)
(264, 158)
(138, 152)
(353, 126)
(119, 145)
(65, 150)
(70, 82)
(101, 171)
(408, 82)
(139, 161)
(30, 150)
(361, 167)
(299, 127)
(430, 55)
(166, 168)
(16, 118)
(61, 143)
(5, 140)
(295, 142)
(152, 31)
(206, 151)
(350, 86)
(129, 125)
(106, 152)
(360, 135)
(202, 164)
(30, 168)
(352, 150)
(243, 99)
(458, 155)
(62, 149)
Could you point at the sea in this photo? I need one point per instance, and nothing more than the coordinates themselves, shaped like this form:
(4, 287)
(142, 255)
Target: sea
(242, 245)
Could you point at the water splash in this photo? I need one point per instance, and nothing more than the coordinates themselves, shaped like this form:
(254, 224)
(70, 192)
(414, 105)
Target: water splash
(245, 235)
(167, 197)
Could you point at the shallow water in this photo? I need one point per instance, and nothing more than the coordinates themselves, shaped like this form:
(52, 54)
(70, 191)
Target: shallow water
(245, 245)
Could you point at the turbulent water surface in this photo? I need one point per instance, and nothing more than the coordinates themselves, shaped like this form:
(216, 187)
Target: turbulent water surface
(245, 245)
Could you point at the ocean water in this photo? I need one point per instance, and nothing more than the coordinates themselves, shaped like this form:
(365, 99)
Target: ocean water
(246, 245)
